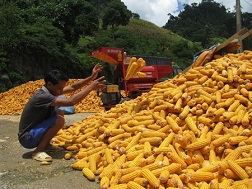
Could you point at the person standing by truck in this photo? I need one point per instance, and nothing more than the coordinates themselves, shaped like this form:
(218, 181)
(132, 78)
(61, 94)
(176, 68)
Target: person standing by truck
(41, 120)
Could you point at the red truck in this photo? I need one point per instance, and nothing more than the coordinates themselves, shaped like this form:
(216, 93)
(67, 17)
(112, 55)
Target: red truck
(156, 68)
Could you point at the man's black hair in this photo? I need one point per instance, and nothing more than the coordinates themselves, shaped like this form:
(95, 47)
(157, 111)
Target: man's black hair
(55, 76)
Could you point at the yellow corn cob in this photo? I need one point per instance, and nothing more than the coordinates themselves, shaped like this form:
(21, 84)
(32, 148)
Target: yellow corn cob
(176, 179)
(244, 92)
(175, 127)
(119, 136)
(243, 68)
(204, 106)
(233, 119)
(218, 96)
(180, 150)
(209, 168)
(197, 158)
(220, 78)
(190, 76)
(230, 77)
(178, 105)
(93, 159)
(153, 166)
(131, 70)
(154, 141)
(160, 107)
(134, 185)
(241, 98)
(243, 162)
(204, 93)
(125, 171)
(205, 120)
(119, 186)
(225, 183)
(238, 170)
(204, 185)
(164, 175)
(184, 112)
(219, 112)
(167, 140)
(191, 124)
(203, 79)
(88, 173)
(147, 149)
(198, 145)
(245, 119)
(131, 155)
(79, 165)
(248, 170)
(177, 96)
(68, 155)
(241, 113)
(104, 183)
(175, 158)
(154, 182)
(137, 162)
(246, 148)
(229, 101)
(206, 99)
(133, 59)
(166, 161)
(162, 113)
(228, 173)
(160, 150)
(214, 184)
(141, 64)
(143, 117)
(220, 84)
(146, 134)
(141, 74)
(200, 176)
(130, 176)
(115, 179)
(141, 181)
(246, 183)
(108, 156)
(236, 139)
(111, 168)
(221, 140)
(134, 140)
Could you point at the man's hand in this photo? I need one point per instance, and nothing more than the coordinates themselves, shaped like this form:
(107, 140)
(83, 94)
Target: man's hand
(98, 83)
(96, 70)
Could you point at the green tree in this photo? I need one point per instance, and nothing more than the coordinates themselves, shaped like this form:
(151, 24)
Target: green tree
(74, 17)
(116, 14)
(203, 21)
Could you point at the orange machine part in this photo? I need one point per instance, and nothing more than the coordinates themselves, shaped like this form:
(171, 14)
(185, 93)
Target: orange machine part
(109, 54)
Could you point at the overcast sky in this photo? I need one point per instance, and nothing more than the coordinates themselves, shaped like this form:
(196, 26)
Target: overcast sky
(156, 11)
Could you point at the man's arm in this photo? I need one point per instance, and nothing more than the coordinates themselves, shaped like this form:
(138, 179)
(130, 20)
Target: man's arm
(74, 99)
(81, 83)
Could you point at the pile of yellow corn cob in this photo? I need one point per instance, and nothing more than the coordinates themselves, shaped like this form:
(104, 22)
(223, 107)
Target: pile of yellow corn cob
(14, 100)
(192, 131)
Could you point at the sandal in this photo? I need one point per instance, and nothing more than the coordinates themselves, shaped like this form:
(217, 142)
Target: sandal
(42, 156)
(53, 148)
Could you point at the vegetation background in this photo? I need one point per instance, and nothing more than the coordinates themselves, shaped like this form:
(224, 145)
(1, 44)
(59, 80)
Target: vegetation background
(39, 35)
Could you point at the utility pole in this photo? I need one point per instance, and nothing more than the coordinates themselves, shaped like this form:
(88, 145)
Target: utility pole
(238, 21)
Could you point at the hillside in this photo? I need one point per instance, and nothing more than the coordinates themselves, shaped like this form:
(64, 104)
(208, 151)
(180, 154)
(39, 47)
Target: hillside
(33, 59)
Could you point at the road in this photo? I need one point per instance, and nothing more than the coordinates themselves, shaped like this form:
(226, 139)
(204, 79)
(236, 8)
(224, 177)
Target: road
(19, 171)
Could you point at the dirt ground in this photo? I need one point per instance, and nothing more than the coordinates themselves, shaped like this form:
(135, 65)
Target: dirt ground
(19, 171)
